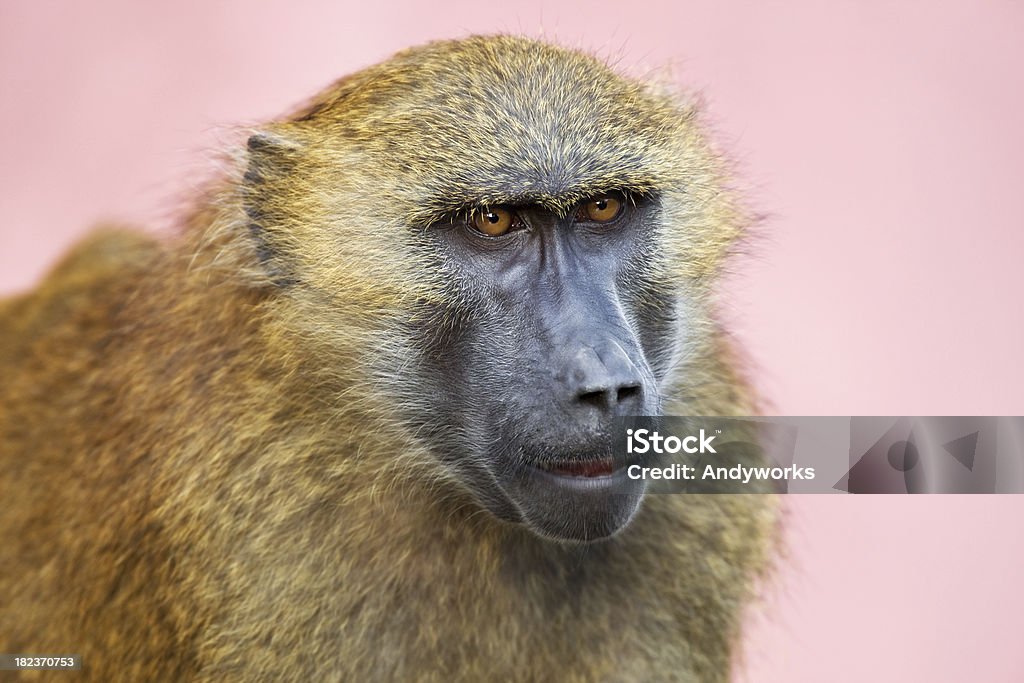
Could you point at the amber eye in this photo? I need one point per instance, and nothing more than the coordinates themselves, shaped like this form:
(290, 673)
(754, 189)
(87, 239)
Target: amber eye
(602, 209)
(493, 222)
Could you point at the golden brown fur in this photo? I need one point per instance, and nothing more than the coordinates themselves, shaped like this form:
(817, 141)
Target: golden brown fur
(203, 477)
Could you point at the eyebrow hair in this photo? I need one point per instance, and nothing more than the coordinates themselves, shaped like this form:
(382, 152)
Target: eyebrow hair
(561, 205)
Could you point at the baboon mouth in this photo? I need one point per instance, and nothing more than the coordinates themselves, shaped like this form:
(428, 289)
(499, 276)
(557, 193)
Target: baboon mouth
(601, 467)
(580, 495)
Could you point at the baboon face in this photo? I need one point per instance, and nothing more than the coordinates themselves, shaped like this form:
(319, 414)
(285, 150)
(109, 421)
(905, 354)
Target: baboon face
(545, 352)
(530, 221)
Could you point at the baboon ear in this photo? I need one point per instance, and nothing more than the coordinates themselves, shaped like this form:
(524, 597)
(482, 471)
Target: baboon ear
(271, 159)
(269, 150)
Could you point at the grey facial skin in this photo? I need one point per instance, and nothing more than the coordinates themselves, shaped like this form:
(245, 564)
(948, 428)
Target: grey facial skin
(544, 352)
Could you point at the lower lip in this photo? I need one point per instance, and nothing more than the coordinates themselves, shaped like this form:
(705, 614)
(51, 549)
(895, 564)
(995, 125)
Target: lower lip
(614, 478)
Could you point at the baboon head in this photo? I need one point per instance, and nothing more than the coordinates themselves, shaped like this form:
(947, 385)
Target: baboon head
(516, 243)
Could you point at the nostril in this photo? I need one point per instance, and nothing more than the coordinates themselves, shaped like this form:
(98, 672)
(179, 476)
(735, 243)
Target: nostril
(630, 392)
(598, 398)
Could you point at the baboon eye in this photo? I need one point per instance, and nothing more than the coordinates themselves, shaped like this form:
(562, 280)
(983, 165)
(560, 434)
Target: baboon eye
(603, 209)
(493, 221)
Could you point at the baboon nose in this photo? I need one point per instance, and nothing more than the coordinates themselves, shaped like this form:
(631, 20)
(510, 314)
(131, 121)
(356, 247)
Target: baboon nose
(616, 398)
(606, 379)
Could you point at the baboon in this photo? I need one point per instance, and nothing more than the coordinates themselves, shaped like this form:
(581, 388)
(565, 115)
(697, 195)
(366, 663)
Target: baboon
(351, 424)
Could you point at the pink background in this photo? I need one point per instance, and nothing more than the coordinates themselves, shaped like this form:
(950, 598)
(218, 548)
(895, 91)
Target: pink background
(884, 140)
